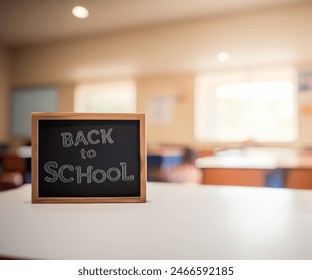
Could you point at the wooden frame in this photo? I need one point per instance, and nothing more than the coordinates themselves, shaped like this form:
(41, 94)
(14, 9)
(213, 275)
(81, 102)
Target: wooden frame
(86, 116)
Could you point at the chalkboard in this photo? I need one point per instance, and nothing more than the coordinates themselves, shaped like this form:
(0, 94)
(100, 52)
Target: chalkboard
(81, 157)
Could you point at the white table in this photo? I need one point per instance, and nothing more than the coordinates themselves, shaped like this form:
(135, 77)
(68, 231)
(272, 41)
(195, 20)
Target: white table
(177, 222)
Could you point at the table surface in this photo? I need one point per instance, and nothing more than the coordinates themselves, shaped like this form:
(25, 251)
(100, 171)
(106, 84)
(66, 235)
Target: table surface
(177, 222)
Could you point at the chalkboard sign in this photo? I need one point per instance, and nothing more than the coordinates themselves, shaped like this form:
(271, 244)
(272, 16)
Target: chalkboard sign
(88, 158)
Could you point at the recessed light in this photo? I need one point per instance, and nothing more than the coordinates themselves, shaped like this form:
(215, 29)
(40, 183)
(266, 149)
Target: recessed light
(80, 12)
(223, 56)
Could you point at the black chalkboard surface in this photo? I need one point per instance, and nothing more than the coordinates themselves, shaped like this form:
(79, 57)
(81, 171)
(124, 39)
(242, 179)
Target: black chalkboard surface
(88, 158)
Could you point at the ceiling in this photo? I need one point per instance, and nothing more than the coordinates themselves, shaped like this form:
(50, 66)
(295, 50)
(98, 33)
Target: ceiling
(25, 22)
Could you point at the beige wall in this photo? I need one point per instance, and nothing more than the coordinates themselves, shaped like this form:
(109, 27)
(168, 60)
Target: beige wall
(164, 60)
(178, 92)
(66, 98)
(4, 95)
(264, 37)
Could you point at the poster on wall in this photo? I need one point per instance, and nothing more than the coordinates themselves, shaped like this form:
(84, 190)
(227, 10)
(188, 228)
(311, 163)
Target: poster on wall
(160, 110)
(305, 81)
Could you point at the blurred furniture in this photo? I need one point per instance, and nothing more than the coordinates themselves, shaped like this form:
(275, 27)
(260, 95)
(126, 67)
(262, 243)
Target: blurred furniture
(10, 180)
(298, 174)
(299, 178)
(178, 222)
(173, 164)
(17, 160)
(237, 171)
(288, 169)
(183, 173)
(160, 160)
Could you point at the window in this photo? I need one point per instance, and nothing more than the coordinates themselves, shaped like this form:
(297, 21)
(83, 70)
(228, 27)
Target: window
(117, 97)
(26, 101)
(261, 108)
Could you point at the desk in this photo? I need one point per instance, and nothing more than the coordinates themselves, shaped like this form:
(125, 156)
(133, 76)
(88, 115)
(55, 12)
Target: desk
(289, 172)
(235, 170)
(178, 222)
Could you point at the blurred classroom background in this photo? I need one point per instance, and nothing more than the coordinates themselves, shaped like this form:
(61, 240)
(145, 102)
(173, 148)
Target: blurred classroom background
(226, 85)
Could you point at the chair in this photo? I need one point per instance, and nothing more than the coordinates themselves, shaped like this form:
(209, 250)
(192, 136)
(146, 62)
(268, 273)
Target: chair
(10, 180)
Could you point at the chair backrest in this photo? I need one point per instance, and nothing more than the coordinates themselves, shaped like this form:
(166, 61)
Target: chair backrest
(12, 163)
(10, 180)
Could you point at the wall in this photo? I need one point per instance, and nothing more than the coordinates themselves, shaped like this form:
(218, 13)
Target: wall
(264, 37)
(177, 94)
(4, 95)
(66, 98)
(174, 51)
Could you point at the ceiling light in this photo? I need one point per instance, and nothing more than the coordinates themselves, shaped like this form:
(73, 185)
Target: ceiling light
(223, 56)
(80, 12)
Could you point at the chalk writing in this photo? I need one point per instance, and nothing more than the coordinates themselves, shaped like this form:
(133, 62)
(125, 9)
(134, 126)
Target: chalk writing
(68, 139)
(89, 175)
(98, 176)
